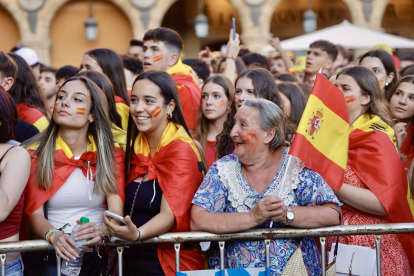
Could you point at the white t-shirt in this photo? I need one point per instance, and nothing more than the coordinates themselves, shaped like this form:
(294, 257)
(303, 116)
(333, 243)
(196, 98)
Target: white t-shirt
(71, 202)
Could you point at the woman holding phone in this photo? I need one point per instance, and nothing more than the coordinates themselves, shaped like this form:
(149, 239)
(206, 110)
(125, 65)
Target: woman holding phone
(163, 170)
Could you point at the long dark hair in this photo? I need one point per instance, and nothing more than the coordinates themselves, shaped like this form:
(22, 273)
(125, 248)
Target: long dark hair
(105, 84)
(388, 63)
(408, 70)
(296, 98)
(264, 88)
(100, 129)
(113, 68)
(25, 88)
(7, 117)
(203, 122)
(169, 92)
(368, 83)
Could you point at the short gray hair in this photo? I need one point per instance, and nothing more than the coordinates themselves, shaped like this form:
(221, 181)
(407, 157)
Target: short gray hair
(270, 117)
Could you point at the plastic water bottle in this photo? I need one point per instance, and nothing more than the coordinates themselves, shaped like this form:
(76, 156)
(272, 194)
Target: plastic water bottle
(73, 267)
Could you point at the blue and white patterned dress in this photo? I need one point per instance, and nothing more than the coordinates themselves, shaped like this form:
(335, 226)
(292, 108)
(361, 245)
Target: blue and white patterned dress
(224, 190)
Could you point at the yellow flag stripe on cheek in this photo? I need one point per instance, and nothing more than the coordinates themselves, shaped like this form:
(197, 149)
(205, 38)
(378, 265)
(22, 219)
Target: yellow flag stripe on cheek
(325, 137)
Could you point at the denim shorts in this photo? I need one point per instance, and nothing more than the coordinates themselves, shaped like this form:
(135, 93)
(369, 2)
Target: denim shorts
(15, 268)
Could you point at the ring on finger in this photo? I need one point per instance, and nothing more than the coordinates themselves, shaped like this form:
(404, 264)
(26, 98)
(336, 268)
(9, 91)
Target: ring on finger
(63, 243)
(93, 229)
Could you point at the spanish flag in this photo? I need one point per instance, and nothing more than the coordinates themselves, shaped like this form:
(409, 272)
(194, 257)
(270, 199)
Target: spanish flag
(123, 111)
(32, 116)
(177, 166)
(374, 158)
(321, 139)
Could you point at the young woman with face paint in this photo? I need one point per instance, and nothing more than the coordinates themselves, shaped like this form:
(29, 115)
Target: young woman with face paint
(216, 98)
(250, 84)
(163, 169)
(107, 62)
(401, 100)
(77, 171)
(375, 184)
(382, 65)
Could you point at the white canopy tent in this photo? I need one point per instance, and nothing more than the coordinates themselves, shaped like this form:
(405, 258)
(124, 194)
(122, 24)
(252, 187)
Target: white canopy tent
(346, 34)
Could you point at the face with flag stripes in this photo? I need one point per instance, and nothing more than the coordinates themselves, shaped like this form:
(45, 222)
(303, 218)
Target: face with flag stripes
(354, 99)
(73, 105)
(147, 107)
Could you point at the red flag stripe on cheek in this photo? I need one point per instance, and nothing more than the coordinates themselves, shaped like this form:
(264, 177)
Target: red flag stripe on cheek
(350, 99)
(159, 57)
(56, 106)
(156, 111)
(80, 110)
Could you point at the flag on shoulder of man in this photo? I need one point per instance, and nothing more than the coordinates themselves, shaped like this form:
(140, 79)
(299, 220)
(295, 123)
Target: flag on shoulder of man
(322, 137)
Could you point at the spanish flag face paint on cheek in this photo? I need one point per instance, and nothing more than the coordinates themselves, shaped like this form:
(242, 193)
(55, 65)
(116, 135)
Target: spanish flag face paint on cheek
(80, 111)
(56, 106)
(156, 111)
(381, 82)
(159, 57)
(350, 99)
(220, 103)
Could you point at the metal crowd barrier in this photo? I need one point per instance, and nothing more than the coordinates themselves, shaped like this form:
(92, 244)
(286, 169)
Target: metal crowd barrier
(257, 234)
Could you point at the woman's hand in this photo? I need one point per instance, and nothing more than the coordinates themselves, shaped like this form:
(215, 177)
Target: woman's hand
(128, 232)
(63, 244)
(89, 231)
(271, 207)
(400, 132)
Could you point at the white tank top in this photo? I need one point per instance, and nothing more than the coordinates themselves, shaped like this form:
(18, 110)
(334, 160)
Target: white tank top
(71, 202)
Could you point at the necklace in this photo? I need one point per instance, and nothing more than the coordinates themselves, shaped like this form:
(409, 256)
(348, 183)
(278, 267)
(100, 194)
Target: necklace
(135, 196)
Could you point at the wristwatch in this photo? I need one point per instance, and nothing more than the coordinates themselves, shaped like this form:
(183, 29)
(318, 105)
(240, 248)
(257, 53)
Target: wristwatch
(289, 216)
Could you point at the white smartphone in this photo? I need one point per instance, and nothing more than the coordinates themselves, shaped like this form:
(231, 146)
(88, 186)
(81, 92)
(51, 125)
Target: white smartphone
(115, 216)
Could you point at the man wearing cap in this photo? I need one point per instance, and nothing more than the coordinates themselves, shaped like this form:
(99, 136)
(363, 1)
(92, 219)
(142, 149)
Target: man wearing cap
(31, 57)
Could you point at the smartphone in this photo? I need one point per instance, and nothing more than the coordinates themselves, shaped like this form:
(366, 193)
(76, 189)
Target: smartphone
(234, 28)
(115, 216)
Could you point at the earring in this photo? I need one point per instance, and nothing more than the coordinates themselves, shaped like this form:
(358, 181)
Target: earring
(386, 84)
(170, 115)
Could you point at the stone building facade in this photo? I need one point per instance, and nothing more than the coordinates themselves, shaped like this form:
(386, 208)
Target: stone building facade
(55, 28)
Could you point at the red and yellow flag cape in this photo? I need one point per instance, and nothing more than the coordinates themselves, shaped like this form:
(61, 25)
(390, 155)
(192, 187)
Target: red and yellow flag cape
(32, 116)
(373, 157)
(188, 91)
(177, 166)
(123, 111)
(65, 164)
(321, 139)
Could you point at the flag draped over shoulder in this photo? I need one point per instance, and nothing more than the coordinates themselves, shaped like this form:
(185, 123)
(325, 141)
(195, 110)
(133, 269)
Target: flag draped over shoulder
(178, 168)
(64, 165)
(32, 116)
(123, 111)
(373, 157)
(321, 139)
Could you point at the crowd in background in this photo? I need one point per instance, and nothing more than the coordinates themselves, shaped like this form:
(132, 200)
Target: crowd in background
(198, 144)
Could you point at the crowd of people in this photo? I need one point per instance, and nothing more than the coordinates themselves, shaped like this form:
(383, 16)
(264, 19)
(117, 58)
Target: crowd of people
(197, 144)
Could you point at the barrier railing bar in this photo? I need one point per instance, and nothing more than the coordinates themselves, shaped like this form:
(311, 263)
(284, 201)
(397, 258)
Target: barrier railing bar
(58, 265)
(221, 246)
(323, 240)
(120, 251)
(378, 251)
(256, 234)
(177, 257)
(3, 264)
(267, 244)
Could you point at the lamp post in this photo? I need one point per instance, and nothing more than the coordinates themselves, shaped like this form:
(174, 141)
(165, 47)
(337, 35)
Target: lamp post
(91, 26)
(201, 22)
(310, 19)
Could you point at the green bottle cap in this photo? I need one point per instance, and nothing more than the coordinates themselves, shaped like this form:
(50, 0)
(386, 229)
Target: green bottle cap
(84, 220)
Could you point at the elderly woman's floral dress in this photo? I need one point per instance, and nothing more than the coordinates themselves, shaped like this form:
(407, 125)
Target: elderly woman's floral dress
(225, 190)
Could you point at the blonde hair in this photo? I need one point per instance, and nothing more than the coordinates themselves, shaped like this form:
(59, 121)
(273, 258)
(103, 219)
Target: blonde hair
(100, 129)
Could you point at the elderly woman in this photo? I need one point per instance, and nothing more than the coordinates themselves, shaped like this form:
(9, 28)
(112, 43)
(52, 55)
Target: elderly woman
(244, 190)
